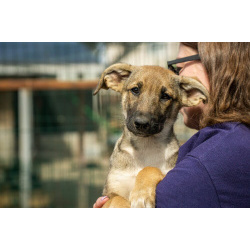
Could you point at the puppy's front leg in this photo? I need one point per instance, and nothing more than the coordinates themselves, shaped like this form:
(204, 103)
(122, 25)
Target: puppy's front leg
(143, 193)
(117, 202)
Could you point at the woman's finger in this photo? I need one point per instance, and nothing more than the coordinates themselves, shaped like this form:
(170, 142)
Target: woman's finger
(100, 202)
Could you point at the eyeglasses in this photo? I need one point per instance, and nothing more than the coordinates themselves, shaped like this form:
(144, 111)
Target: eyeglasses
(172, 64)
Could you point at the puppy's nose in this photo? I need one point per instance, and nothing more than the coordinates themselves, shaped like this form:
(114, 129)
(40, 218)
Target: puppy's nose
(142, 122)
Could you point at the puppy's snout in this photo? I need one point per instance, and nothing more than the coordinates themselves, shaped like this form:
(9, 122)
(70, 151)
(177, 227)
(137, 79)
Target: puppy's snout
(142, 123)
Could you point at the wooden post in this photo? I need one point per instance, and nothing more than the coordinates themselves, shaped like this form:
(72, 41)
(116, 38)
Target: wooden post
(25, 144)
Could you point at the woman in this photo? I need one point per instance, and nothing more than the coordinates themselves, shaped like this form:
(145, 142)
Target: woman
(213, 167)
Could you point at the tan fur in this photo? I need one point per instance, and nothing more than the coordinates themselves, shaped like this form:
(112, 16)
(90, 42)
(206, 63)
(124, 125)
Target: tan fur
(143, 193)
(117, 202)
(130, 182)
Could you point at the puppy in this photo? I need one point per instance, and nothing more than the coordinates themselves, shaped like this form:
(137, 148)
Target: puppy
(151, 99)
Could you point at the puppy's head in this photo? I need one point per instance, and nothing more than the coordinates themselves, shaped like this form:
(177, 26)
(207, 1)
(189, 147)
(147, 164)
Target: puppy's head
(151, 95)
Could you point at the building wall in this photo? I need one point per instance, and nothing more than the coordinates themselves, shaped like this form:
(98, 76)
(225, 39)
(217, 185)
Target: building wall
(69, 72)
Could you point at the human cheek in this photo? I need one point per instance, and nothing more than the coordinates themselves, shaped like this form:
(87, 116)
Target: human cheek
(186, 112)
(191, 116)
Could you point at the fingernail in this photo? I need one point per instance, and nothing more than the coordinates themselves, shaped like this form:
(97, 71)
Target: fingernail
(104, 198)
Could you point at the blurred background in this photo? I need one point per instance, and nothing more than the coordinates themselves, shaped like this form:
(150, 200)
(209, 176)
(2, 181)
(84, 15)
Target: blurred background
(55, 136)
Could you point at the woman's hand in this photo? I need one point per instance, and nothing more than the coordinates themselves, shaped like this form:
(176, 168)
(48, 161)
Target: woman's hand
(100, 202)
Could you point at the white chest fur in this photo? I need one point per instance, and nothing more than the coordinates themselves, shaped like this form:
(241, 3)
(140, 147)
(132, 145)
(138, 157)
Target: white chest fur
(146, 152)
(152, 153)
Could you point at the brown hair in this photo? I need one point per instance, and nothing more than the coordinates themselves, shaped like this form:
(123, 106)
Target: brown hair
(228, 69)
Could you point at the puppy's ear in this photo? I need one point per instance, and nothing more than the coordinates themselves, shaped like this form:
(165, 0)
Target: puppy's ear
(191, 91)
(114, 76)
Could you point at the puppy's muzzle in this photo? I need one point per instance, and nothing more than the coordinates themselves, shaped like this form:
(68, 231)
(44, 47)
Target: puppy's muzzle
(144, 125)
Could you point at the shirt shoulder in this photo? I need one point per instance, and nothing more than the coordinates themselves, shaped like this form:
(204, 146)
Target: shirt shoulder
(214, 164)
(224, 142)
(218, 137)
(226, 158)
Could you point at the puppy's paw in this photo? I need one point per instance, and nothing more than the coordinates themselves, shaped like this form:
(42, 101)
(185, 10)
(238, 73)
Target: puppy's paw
(143, 194)
(143, 198)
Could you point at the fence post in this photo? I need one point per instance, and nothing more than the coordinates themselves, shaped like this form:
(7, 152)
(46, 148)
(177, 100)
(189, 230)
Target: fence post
(25, 144)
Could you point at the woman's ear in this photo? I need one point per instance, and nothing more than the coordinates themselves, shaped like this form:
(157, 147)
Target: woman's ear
(114, 77)
(191, 91)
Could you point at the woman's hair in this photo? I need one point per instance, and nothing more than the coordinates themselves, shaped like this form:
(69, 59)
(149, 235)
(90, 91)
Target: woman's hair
(228, 69)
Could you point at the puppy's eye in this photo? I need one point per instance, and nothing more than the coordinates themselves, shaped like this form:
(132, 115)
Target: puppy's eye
(165, 97)
(135, 91)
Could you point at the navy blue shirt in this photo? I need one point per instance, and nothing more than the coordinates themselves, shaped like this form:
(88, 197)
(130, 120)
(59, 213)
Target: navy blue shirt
(212, 170)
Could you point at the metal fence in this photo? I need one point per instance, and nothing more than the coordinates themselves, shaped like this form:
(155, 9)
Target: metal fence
(55, 137)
